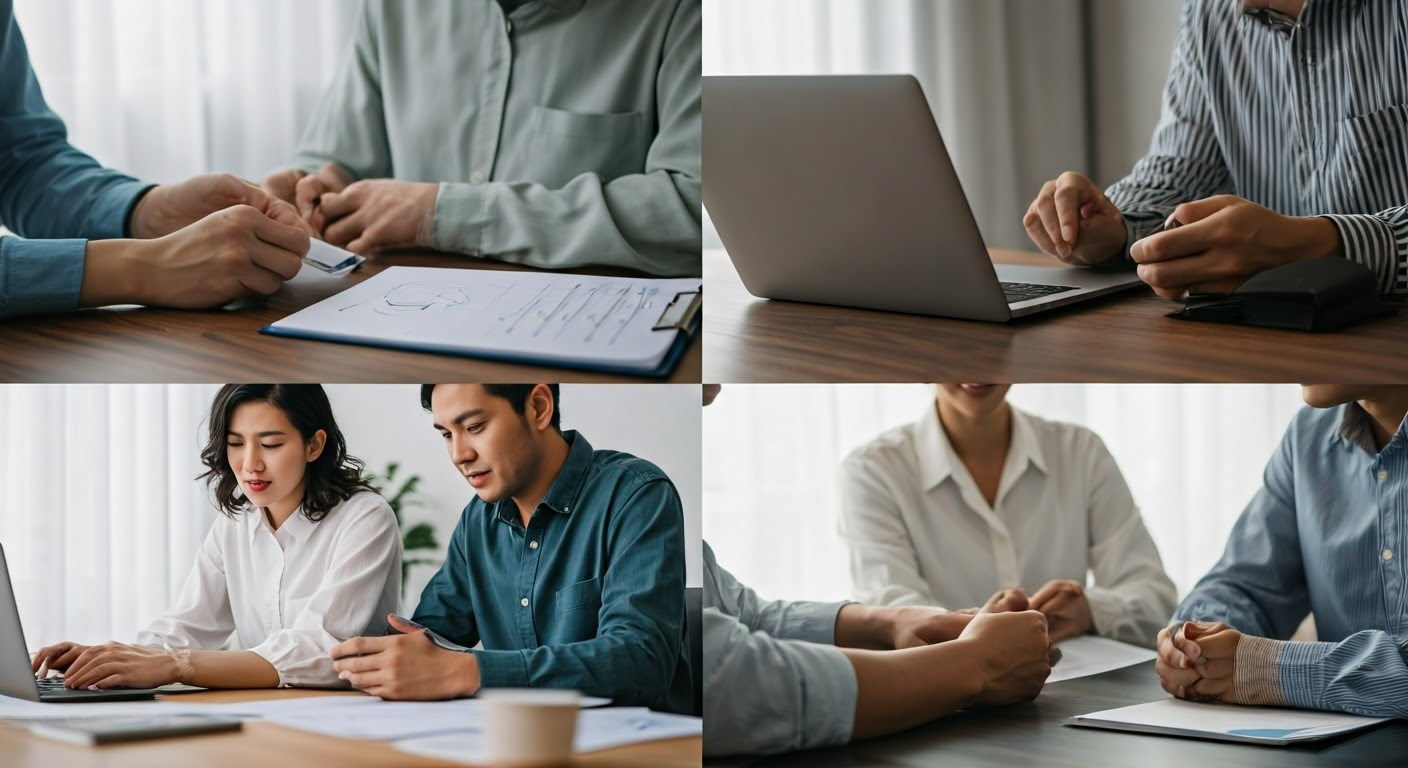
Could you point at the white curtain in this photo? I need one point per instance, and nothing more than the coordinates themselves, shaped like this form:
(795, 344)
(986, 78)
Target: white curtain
(1193, 456)
(167, 89)
(1005, 78)
(99, 507)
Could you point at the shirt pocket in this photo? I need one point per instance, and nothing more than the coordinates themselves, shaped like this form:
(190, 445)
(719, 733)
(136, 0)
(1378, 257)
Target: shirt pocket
(1375, 159)
(573, 143)
(582, 595)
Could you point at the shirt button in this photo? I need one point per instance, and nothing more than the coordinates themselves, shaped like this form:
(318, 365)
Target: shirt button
(476, 178)
(532, 545)
(523, 602)
(1388, 555)
(1383, 475)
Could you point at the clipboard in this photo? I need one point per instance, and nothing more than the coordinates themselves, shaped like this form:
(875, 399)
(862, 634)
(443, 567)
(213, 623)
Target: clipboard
(636, 326)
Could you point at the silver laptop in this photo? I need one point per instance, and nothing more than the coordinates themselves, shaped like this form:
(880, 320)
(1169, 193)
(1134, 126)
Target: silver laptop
(839, 190)
(16, 673)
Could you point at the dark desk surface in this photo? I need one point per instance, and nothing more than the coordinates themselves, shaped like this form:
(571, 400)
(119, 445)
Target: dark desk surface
(1125, 337)
(160, 345)
(1032, 735)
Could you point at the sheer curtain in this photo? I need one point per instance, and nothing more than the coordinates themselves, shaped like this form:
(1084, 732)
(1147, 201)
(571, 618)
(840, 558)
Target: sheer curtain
(166, 89)
(1193, 456)
(1005, 78)
(99, 507)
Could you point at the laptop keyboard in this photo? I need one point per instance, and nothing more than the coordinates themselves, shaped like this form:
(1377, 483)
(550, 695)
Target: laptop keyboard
(1017, 292)
(47, 684)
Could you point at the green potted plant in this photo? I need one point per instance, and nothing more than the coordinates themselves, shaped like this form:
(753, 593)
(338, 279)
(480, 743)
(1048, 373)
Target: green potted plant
(401, 496)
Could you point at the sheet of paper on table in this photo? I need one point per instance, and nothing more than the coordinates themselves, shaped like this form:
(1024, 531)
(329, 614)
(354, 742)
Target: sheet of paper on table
(597, 729)
(1226, 722)
(1091, 655)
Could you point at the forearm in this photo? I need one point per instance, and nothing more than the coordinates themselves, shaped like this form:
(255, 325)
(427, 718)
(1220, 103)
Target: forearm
(865, 627)
(898, 690)
(628, 670)
(649, 222)
(225, 669)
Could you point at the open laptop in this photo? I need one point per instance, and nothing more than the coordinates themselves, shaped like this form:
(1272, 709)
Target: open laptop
(16, 674)
(839, 190)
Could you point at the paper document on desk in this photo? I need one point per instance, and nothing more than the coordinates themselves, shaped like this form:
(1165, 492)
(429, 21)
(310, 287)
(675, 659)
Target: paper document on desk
(1091, 655)
(597, 729)
(1226, 722)
(367, 717)
(631, 325)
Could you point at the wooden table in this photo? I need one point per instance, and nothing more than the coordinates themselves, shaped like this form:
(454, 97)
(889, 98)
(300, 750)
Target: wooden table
(160, 345)
(1124, 337)
(1032, 735)
(264, 744)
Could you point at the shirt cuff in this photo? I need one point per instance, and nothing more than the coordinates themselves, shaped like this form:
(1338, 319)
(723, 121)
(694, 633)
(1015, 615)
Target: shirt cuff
(502, 669)
(829, 699)
(300, 658)
(462, 218)
(109, 218)
(811, 622)
(1301, 673)
(1369, 240)
(40, 275)
(1110, 616)
(1256, 680)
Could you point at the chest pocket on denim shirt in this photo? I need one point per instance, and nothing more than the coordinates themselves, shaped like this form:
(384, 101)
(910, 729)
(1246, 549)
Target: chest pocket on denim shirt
(573, 143)
(1374, 156)
(584, 595)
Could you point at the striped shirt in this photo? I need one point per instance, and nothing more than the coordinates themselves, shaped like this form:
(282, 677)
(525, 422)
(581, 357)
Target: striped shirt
(1307, 118)
(1325, 535)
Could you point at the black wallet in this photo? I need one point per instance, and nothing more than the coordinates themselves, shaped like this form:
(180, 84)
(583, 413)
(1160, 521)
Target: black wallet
(1324, 294)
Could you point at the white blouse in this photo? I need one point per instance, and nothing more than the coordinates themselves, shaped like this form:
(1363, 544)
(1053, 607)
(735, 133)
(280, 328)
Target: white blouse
(292, 594)
(921, 533)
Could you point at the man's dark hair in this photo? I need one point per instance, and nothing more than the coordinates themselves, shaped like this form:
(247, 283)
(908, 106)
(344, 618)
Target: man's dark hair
(515, 394)
(331, 478)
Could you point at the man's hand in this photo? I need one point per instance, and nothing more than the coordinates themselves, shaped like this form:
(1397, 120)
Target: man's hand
(407, 667)
(117, 664)
(1066, 608)
(1074, 221)
(1006, 600)
(1223, 241)
(228, 255)
(1198, 661)
(56, 657)
(378, 214)
(1014, 654)
(915, 626)
(172, 207)
(309, 191)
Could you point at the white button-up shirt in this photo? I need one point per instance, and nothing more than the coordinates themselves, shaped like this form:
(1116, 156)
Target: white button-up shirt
(291, 594)
(921, 533)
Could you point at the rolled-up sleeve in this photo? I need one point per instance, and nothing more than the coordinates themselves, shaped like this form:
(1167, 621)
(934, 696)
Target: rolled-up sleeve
(365, 568)
(773, 681)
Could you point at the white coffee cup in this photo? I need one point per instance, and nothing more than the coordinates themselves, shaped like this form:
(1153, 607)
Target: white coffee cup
(530, 726)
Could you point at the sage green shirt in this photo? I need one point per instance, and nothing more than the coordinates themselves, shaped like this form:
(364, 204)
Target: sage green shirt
(562, 134)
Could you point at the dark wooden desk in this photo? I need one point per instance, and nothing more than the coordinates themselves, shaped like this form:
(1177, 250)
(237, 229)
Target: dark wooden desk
(1032, 735)
(160, 345)
(1125, 337)
(265, 744)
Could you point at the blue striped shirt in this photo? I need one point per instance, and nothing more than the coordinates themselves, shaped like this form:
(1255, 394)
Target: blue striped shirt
(1326, 534)
(1307, 118)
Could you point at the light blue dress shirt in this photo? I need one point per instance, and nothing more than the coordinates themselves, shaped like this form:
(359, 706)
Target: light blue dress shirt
(48, 190)
(773, 679)
(1326, 534)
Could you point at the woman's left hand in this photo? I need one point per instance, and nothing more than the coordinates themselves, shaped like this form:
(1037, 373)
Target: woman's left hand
(113, 665)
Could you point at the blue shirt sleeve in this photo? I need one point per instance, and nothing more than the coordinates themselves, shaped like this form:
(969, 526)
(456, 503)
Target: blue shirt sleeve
(1259, 587)
(445, 604)
(48, 189)
(1364, 674)
(640, 633)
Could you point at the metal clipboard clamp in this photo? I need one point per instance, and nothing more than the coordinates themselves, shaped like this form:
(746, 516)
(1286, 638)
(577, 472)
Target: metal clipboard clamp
(679, 314)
